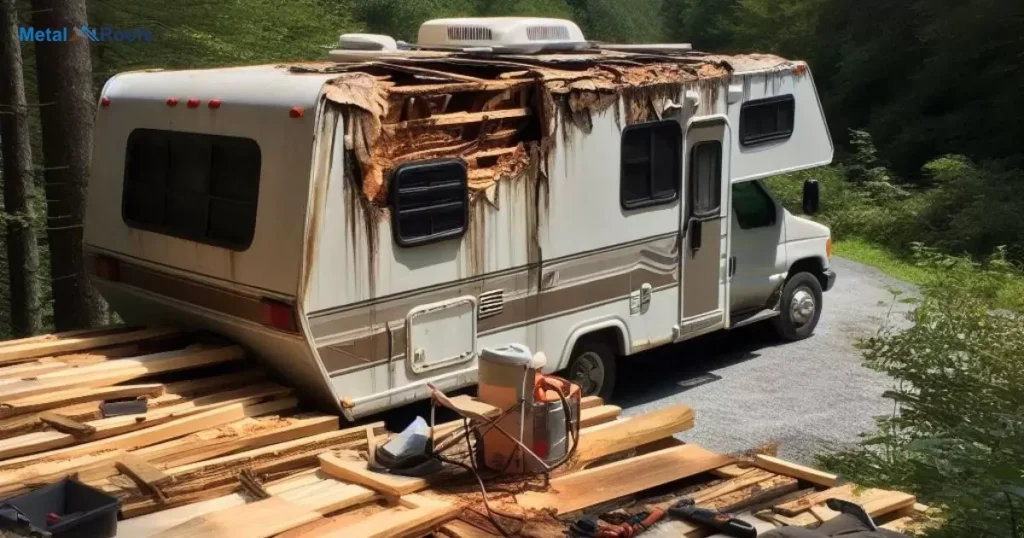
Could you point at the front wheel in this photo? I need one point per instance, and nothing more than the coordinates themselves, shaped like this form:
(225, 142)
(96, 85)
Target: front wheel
(592, 367)
(800, 307)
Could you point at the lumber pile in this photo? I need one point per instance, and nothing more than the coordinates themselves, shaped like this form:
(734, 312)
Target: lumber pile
(219, 449)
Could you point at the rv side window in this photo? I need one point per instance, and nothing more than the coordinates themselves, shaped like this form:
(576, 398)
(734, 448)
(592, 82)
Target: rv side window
(764, 120)
(650, 164)
(706, 179)
(199, 187)
(752, 205)
(429, 202)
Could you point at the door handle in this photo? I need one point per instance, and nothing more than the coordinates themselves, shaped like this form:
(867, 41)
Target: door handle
(732, 266)
(696, 234)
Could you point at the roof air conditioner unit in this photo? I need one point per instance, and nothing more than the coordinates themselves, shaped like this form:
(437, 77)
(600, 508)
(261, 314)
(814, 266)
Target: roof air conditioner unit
(367, 42)
(518, 34)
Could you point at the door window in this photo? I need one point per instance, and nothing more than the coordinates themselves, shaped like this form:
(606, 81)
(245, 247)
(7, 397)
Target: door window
(650, 164)
(706, 179)
(752, 205)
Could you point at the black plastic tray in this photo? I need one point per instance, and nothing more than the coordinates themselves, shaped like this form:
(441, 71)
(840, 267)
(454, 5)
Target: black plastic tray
(85, 512)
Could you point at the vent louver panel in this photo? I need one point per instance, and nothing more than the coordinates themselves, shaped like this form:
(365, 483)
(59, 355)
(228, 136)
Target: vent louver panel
(469, 33)
(491, 303)
(547, 33)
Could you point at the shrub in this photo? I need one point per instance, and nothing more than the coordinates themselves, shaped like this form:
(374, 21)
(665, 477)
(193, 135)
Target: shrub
(956, 437)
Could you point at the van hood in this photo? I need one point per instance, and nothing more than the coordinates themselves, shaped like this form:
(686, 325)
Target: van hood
(799, 228)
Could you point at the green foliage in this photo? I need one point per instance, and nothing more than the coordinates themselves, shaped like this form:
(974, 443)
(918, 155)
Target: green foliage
(785, 27)
(703, 23)
(401, 19)
(956, 438)
(637, 21)
(199, 33)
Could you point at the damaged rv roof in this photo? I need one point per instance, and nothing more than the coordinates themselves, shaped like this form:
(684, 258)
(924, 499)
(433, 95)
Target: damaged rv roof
(497, 112)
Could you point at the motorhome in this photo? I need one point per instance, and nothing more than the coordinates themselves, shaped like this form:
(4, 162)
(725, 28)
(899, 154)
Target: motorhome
(366, 223)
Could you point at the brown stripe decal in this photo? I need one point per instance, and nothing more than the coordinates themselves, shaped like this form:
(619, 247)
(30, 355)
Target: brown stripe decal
(567, 285)
(213, 298)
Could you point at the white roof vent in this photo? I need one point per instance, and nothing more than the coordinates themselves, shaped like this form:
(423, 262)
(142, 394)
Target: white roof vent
(513, 33)
(367, 42)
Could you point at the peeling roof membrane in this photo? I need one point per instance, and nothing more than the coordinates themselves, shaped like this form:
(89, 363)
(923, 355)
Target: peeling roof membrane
(488, 110)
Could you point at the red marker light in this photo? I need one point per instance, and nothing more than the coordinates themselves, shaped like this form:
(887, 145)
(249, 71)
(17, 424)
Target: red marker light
(800, 69)
(104, 101)
(192, 103)
(296, 112)
(172, 101)
(214, 103)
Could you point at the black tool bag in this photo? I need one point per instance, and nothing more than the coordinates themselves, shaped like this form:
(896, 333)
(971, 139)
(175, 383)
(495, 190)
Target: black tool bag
(841, 526)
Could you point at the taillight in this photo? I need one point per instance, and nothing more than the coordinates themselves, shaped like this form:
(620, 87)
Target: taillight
(279, 315)
(108, 268)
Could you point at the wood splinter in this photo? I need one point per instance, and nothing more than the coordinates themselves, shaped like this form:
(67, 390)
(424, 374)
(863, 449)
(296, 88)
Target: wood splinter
(251, 485)
(65, 424)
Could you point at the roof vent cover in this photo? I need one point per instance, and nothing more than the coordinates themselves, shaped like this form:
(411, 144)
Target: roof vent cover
(510, 33)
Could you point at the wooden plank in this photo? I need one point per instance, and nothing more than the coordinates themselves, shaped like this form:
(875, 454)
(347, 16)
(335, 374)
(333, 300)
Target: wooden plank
(590, 401)
(355, 471)
(245, 434)
(66, 425)
(732, 470)
(161, 432)
(823, 513)
(876, 502)
(120, 370)
(108, 427)
(16, 351)
(599, 415)
(458, 118)
(632, 432)
(813, 476)
(142, 471)
(764, 490)
(64, 398)
(793, 508)
(256, 520)
(593, 486)
(461, 529)
(267, 517)
(212, 478)
(418, 515)
(151, 524)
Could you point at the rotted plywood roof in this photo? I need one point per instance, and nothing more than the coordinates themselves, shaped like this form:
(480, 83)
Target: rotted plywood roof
(496, 112)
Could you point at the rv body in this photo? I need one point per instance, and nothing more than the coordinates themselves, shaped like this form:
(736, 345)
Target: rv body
(316, 214)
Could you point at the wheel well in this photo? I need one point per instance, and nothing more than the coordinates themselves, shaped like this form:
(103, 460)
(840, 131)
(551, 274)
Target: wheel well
(813, 266)
(610, 336)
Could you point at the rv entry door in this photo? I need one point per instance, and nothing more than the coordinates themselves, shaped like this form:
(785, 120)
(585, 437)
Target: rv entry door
(704, 226)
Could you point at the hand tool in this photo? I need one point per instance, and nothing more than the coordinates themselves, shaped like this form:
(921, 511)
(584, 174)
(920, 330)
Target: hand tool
(855, 510)
(687, 510)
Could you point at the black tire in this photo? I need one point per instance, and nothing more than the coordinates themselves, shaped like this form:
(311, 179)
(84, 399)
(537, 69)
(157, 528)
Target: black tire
(589, 356)
(794, 322)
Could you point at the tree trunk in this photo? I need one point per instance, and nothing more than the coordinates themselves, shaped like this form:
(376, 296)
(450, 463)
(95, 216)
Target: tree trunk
(15, 145)
(64, 74)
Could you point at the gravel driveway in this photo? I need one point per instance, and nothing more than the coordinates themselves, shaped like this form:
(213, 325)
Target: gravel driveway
(747, 389)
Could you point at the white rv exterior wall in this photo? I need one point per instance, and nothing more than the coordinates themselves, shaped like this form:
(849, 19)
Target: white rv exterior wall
(255, 104)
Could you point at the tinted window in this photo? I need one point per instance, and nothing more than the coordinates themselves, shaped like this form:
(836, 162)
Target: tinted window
(199, 187)
(764, 120)
(706, 179)
(752, 205)
(429, 202)
(650, 167)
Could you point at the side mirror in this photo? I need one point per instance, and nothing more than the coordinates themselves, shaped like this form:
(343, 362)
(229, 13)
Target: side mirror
(812, 197)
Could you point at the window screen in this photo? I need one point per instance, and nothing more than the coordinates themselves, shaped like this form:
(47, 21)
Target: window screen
(706, 179)
(429, 202)
(764, 120)
(752, 205)
(199, 187)
(650, 164)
